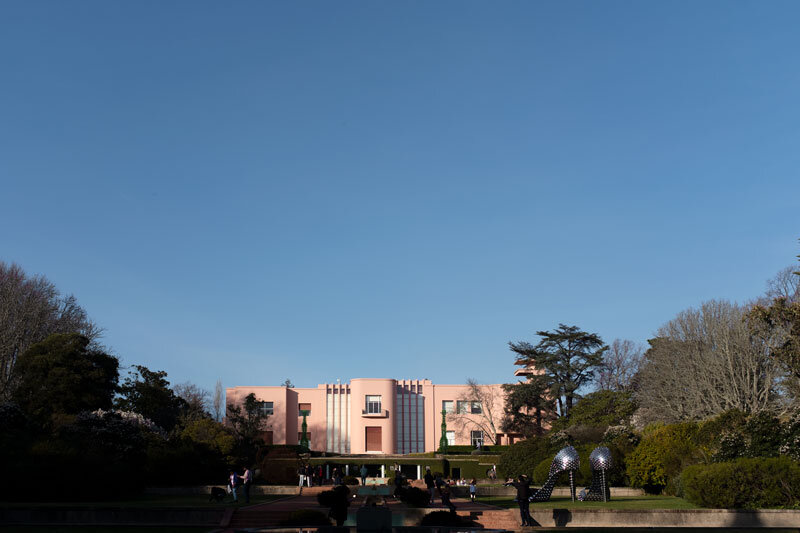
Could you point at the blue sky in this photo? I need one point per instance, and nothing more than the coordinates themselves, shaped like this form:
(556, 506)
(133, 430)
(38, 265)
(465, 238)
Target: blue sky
(253, 191)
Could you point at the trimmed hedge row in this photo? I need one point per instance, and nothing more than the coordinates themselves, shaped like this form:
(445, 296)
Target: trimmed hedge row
(743, 483)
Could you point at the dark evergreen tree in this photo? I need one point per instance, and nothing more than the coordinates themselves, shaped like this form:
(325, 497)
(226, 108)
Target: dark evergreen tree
(148, 393)
(569, 358)
(63, 375)
(529, 407)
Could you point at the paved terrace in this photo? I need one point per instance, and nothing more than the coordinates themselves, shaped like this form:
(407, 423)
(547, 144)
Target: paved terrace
(270, 514)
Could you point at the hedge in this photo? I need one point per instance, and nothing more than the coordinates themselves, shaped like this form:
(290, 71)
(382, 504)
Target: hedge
(744, 483)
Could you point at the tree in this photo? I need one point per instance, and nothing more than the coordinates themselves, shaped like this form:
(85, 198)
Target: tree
(148, 393)
(31, 309)
(288, 383)
(195, 400)
(776, 320)
(64, 375)
(620, 365)
(601, 408)
(569, 357)
(218, 401)
(488, 402)
(248, 420)
(529, 407)
(707, 361)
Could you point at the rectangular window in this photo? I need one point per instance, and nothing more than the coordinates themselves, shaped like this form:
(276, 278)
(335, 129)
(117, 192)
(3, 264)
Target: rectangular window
(477, 438)
(463, 407)
(373, 405)
(304, 407)
(475, 408)
(451, 438)
(447, 406)
(266, 408)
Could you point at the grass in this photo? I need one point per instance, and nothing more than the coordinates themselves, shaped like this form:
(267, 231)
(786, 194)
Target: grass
(622, 502)
(154, 500)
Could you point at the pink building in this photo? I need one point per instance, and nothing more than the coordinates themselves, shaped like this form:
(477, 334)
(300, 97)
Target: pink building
(381, 416)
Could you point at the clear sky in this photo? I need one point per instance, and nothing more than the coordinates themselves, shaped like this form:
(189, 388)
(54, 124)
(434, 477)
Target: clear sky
(318, 190)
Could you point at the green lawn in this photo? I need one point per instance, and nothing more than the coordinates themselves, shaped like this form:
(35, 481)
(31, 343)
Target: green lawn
(154, 500)
(622, 502)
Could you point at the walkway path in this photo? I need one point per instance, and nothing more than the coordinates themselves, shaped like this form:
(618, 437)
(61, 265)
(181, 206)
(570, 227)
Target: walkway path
(272, 513)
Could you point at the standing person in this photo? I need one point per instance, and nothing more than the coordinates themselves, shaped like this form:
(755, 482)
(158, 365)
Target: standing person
(247, 480)
(301, 473)
(335, 476)
(309, 475)
(523, 486)
(363, 473)
(233, 482)
(429, 482)
(473, 489)
(439, 482)
(398, 484)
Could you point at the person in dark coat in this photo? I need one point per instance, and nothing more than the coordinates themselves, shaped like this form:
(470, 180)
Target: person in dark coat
(429, 482)
(444, 491)
(523, 486)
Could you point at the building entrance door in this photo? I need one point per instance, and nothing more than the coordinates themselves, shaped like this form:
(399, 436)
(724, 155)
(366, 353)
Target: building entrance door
(373, 436)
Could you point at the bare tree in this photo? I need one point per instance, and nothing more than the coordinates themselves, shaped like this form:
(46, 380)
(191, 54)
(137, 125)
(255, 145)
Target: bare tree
(620, 364)
(706, 361)
(217, 402)
(31, 309)
(482, 409)
(196, 399)
(785, 284)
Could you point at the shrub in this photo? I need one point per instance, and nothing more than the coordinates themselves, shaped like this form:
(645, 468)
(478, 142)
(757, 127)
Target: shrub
(523, 457)
(446, 519)
(306, 517)
(350, 480)
(330, 498)
(747, 483)
(415, 497)
(661, 456)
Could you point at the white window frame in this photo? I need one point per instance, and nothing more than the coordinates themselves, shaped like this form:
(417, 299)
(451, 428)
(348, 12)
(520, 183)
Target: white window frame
(476, 438)
(451, 437)
(462, 407)
(267, 408)
(445, 404)
(371, 405)
(475, 408)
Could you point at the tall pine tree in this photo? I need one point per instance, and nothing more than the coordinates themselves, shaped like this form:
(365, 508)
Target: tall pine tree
(569, 358)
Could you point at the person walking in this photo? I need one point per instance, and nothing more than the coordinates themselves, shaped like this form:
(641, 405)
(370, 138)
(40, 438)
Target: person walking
(473, 489)
(309, 475)
(363, 473)
(428, 478)
(301, 474)
(523, 486)
(444, 492)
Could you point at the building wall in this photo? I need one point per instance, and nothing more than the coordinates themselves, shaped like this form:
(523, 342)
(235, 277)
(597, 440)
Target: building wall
(410, 416)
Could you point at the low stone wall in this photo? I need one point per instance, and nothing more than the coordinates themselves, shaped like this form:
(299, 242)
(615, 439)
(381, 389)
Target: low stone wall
(287, 490)
(175, 516)
(619, 518)
(463, 491)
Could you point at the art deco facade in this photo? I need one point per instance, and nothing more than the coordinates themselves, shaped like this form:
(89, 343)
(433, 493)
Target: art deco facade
(381, 416)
